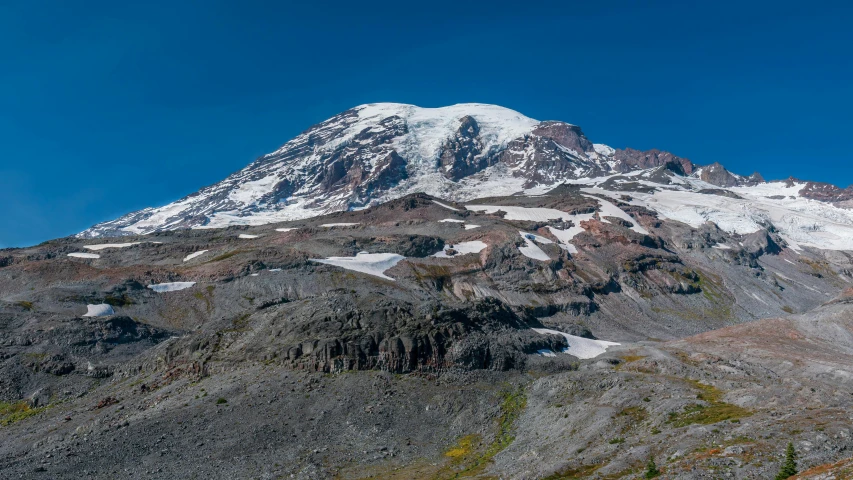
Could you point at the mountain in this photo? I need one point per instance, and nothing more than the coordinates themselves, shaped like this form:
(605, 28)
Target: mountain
(377, 152)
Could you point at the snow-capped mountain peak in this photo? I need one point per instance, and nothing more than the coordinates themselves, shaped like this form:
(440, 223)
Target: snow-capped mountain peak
(380, 151)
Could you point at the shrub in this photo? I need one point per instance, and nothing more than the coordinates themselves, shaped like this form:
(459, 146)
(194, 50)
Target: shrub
(651, 469)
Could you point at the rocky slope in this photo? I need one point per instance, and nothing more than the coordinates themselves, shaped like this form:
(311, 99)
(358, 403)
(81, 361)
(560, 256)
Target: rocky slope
(409, 340)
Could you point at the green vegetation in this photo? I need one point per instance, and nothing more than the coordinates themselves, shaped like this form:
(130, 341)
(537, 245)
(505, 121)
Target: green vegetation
(789, 468)
(25, 305)
(465, 459)
(616, 441)
(651, 469)
(787, 309)
(13, 412)
(242, 321)
(715, 411)
(207, 299)
(220, 401)
(632, 358)
(463, 448)
(636, 416)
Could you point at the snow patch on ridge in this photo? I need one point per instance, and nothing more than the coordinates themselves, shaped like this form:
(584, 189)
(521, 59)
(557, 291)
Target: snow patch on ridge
(531, 250)
(445, 206)
(100, 310)
(84, 255)
(583, 348)
(370, 263)
(194, 255)
(103, 246)
(171, 286)
(333, 225)
(461, 248)
(607, 209)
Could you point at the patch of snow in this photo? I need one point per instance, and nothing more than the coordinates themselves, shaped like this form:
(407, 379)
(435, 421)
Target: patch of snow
(451, 220)
(171, 286)
(195, 254)
(370, 263)
(462, 248)
(254, 274)
(721, 246)
(109, 245)
(607, 209)
(546, 353)
(251, 191)
(470, 226)
(84, 255)
(100, 310)
(332, 225)
(565, 236)
(284, 229)
(603, 149)
(445, 206)
(537, 238)
(522, 213)
(580, 347)
(531, 250)
(275, 269)
(247, 236)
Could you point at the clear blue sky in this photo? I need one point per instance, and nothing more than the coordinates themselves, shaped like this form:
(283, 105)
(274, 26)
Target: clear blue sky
(109, 107)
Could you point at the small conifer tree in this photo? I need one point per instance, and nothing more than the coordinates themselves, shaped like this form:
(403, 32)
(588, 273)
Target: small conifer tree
(652, 469)
(789, 468)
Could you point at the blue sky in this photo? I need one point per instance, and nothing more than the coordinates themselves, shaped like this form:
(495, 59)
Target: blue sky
(109, 107)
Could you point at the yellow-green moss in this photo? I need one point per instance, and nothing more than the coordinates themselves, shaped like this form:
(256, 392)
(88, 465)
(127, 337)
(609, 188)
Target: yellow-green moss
(714, 411)
(14, 412)
(25, 305)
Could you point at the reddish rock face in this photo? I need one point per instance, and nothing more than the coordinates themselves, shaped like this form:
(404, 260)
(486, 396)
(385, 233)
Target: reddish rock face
(564, 134)
(826, 192)
(630, 159)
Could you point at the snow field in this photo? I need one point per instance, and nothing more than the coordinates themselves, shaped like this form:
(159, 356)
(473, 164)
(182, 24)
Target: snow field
(580, 347)
(370, 263)
(462, 248)
(171, 286)
(100, 310)
(84, 255)
(195, 254)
